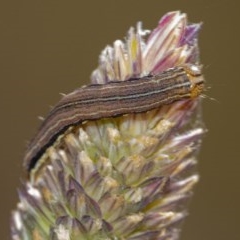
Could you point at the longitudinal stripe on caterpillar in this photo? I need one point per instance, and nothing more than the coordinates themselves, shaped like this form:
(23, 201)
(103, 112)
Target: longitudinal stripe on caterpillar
(113, 99)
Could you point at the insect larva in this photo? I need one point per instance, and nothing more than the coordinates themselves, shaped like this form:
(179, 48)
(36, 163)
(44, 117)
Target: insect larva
(114, 99)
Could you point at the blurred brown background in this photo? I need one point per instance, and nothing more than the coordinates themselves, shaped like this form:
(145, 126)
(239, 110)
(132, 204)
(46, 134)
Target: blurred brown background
(48, 47)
